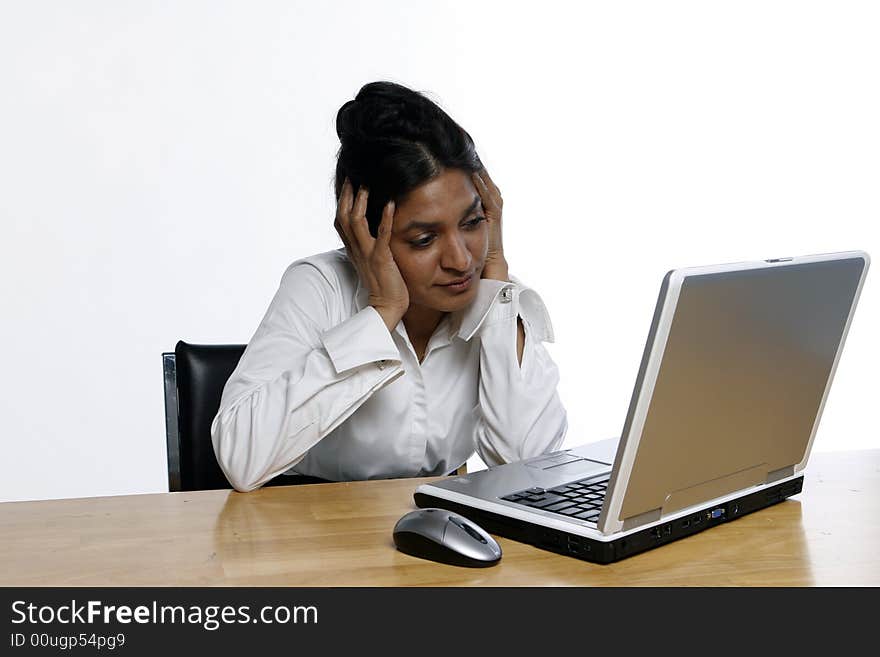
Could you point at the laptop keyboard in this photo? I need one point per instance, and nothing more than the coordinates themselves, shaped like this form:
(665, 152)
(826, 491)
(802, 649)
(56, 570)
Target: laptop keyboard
(580, 499)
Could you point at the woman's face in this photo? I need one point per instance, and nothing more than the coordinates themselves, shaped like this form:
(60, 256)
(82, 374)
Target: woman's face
(440, 237)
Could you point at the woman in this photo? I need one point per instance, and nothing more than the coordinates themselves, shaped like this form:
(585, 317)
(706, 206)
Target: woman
(410, 348)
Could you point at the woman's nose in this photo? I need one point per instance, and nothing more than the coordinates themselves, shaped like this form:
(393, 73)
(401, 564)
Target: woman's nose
(456, 255)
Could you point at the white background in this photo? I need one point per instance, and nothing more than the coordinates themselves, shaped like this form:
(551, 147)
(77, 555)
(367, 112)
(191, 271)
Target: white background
(162, 163)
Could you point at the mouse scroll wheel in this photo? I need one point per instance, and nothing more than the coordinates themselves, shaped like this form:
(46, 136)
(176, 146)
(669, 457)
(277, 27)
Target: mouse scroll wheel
(470, 530)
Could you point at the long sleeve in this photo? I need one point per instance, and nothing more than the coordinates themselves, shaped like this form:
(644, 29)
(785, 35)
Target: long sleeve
(305, 371)
(519, 414)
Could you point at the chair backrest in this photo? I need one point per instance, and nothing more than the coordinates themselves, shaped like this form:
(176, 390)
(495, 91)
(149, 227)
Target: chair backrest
(194, 379)
(195, 375)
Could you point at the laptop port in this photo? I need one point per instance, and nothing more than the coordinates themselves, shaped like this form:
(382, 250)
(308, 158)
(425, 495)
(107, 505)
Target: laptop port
(685, 523)
(717, 513)
(667, 530)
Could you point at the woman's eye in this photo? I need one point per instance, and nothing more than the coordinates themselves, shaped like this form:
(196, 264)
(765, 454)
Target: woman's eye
(426, 240)
(422, 241)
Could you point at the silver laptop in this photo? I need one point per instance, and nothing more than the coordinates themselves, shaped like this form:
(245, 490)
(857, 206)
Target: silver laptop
(735, 373)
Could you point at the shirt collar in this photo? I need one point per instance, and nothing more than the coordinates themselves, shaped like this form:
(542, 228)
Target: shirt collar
(462, 323)
(467, 321)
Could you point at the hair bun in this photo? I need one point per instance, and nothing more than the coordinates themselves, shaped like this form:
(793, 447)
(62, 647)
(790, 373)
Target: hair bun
(383, 110)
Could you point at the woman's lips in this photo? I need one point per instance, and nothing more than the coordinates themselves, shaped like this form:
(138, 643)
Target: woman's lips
(459, 287)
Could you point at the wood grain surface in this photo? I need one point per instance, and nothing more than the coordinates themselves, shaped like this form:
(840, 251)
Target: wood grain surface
(340, 535)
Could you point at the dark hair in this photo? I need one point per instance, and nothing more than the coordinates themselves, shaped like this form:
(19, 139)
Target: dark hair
(393, 139)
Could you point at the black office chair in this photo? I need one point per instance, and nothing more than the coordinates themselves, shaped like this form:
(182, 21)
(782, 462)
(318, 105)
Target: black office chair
(194, 379)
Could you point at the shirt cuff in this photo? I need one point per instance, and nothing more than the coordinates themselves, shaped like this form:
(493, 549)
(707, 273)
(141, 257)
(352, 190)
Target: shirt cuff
(362, 338)
(499, 301)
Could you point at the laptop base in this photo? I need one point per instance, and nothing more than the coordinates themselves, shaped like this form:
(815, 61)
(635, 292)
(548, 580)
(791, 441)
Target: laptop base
(602, 552)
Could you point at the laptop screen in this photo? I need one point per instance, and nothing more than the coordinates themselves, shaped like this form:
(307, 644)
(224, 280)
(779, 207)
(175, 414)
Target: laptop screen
(741, 382)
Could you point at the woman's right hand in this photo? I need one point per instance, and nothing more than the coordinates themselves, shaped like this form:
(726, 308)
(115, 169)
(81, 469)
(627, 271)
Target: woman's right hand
(371, 256)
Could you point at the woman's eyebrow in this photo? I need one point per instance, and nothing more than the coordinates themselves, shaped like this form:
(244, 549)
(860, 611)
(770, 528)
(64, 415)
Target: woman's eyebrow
(433, 224)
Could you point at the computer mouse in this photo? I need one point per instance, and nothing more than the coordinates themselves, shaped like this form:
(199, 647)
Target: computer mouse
(444, 536)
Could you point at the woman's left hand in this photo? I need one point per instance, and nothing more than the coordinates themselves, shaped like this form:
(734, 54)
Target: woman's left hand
(496, 264)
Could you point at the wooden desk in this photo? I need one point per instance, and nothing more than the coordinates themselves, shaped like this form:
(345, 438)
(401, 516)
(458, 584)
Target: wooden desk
(340, 535)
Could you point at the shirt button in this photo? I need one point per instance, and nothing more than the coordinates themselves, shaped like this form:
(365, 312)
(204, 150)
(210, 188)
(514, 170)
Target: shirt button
(507, 295)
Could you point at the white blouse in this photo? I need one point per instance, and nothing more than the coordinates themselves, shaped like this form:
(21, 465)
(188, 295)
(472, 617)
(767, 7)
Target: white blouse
(324, 389)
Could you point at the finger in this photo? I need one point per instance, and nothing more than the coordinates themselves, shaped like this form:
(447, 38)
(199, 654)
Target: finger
(350, 210)
(342, 235)
(488, 200)
(343, 211)
(341, 229)
(343, 206)
(343, 217)
(384, 234)
(493, 188)
(358, 222)
(359, 208)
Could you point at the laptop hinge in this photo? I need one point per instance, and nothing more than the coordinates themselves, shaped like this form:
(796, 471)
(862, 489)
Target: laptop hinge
(781, 473)
(641, 519)
(693, 495)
